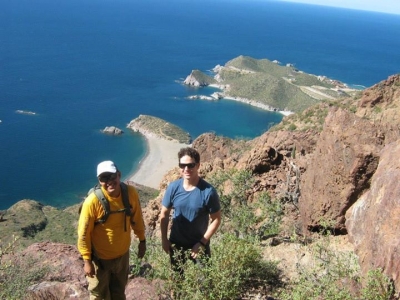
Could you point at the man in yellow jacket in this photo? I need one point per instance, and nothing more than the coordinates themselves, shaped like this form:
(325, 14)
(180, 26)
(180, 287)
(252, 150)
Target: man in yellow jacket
(105, 246)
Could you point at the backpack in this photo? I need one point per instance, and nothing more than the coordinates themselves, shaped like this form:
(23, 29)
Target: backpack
(106, 205)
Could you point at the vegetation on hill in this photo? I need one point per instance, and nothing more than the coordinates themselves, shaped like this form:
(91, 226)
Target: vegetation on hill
(314, 116)
(269, 83)
(149, 125)
(33, 222)
(237, 269)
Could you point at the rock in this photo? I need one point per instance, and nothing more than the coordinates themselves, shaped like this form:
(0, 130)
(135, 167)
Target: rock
(112, 130)
(198, 79)
(66, 279)
(340, 170)
(373, 222)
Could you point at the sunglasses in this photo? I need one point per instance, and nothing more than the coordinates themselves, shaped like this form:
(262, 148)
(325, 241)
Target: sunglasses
(108, 177)
(190, 166)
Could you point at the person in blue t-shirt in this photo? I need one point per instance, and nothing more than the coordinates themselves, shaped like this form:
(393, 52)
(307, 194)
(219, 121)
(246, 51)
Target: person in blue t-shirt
(194, 202)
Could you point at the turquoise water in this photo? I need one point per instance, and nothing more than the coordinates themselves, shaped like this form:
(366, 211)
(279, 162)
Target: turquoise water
(84, 65)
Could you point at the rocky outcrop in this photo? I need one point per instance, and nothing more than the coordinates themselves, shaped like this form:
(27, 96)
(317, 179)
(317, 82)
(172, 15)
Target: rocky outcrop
(381, 105)
(373, 222)
(112, 130)
(65, 277)
(339, 170)
(198, 79)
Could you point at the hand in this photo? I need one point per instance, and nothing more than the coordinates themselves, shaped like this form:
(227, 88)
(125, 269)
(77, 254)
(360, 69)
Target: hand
(166, 244)
(141, 249)
(88, 268)
(195, 250)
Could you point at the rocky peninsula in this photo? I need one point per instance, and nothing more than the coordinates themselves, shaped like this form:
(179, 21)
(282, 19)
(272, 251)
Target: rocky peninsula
(268, 85)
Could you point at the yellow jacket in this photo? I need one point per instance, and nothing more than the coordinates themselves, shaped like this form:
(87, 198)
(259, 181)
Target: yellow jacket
(108, 240)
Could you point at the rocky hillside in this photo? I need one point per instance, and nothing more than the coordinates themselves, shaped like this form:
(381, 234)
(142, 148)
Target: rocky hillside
(335, 163)
(349, 172)
(342, 170)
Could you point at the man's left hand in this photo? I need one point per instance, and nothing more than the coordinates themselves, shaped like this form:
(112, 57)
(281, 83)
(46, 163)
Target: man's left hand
(141, 249)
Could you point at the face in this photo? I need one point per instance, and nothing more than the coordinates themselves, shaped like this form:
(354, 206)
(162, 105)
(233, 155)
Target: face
(110, 182)
(189, 168)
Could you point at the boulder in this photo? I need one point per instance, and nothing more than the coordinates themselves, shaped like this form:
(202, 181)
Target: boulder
(345, 158)
(65, 278)
(373, 222)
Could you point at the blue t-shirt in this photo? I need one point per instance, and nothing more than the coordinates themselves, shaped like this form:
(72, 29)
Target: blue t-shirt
(191, 210)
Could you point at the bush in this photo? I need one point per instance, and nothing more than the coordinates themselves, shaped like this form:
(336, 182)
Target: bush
(234, 266)
(336, 276)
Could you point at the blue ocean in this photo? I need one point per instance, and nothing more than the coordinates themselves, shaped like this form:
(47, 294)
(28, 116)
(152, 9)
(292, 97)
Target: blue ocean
(84, 65)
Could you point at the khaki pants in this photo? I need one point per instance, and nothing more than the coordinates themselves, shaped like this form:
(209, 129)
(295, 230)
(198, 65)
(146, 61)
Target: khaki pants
(110, 280)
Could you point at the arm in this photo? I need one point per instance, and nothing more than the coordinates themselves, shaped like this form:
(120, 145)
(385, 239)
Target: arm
(85, 228)
(164, 221)
(211, 229)
(137, 222)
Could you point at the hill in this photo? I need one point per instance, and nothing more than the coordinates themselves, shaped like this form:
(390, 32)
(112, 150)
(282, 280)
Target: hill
(150, 125)
(331, 170)
(283, 88)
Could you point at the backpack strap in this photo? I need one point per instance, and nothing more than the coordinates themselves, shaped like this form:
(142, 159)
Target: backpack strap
(125, 200)
(106, 205)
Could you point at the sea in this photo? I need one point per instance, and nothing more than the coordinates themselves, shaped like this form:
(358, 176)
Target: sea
(80, 66)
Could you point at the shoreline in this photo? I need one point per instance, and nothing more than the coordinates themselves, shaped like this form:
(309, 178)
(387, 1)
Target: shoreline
(259, 105)
(161, 157)
(251, 102)
(161, 154)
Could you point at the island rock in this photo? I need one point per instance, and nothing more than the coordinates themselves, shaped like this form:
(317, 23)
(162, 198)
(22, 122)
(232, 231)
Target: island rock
(112, 130)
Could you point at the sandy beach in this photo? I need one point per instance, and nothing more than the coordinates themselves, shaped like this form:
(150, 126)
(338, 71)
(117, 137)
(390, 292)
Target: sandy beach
(161, 157)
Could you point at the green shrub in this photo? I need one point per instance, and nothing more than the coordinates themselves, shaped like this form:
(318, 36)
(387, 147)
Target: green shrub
(226, 274)
(272, 213)
(336, 275)
(329, 276)
(238, 215)
(292, 127)
(378, 286)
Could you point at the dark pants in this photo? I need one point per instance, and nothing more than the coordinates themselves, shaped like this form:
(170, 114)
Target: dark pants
(179, 255)
(110, 279)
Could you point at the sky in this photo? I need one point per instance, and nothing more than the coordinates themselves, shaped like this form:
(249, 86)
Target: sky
(385, 6)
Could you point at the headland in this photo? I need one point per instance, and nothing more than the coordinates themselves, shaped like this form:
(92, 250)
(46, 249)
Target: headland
(164, 140)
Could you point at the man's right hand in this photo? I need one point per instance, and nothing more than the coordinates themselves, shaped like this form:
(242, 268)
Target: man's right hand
(166, 244)
(89, 268)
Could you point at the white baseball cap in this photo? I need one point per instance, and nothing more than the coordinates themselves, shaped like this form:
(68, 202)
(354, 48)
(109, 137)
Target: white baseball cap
(106, 167)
